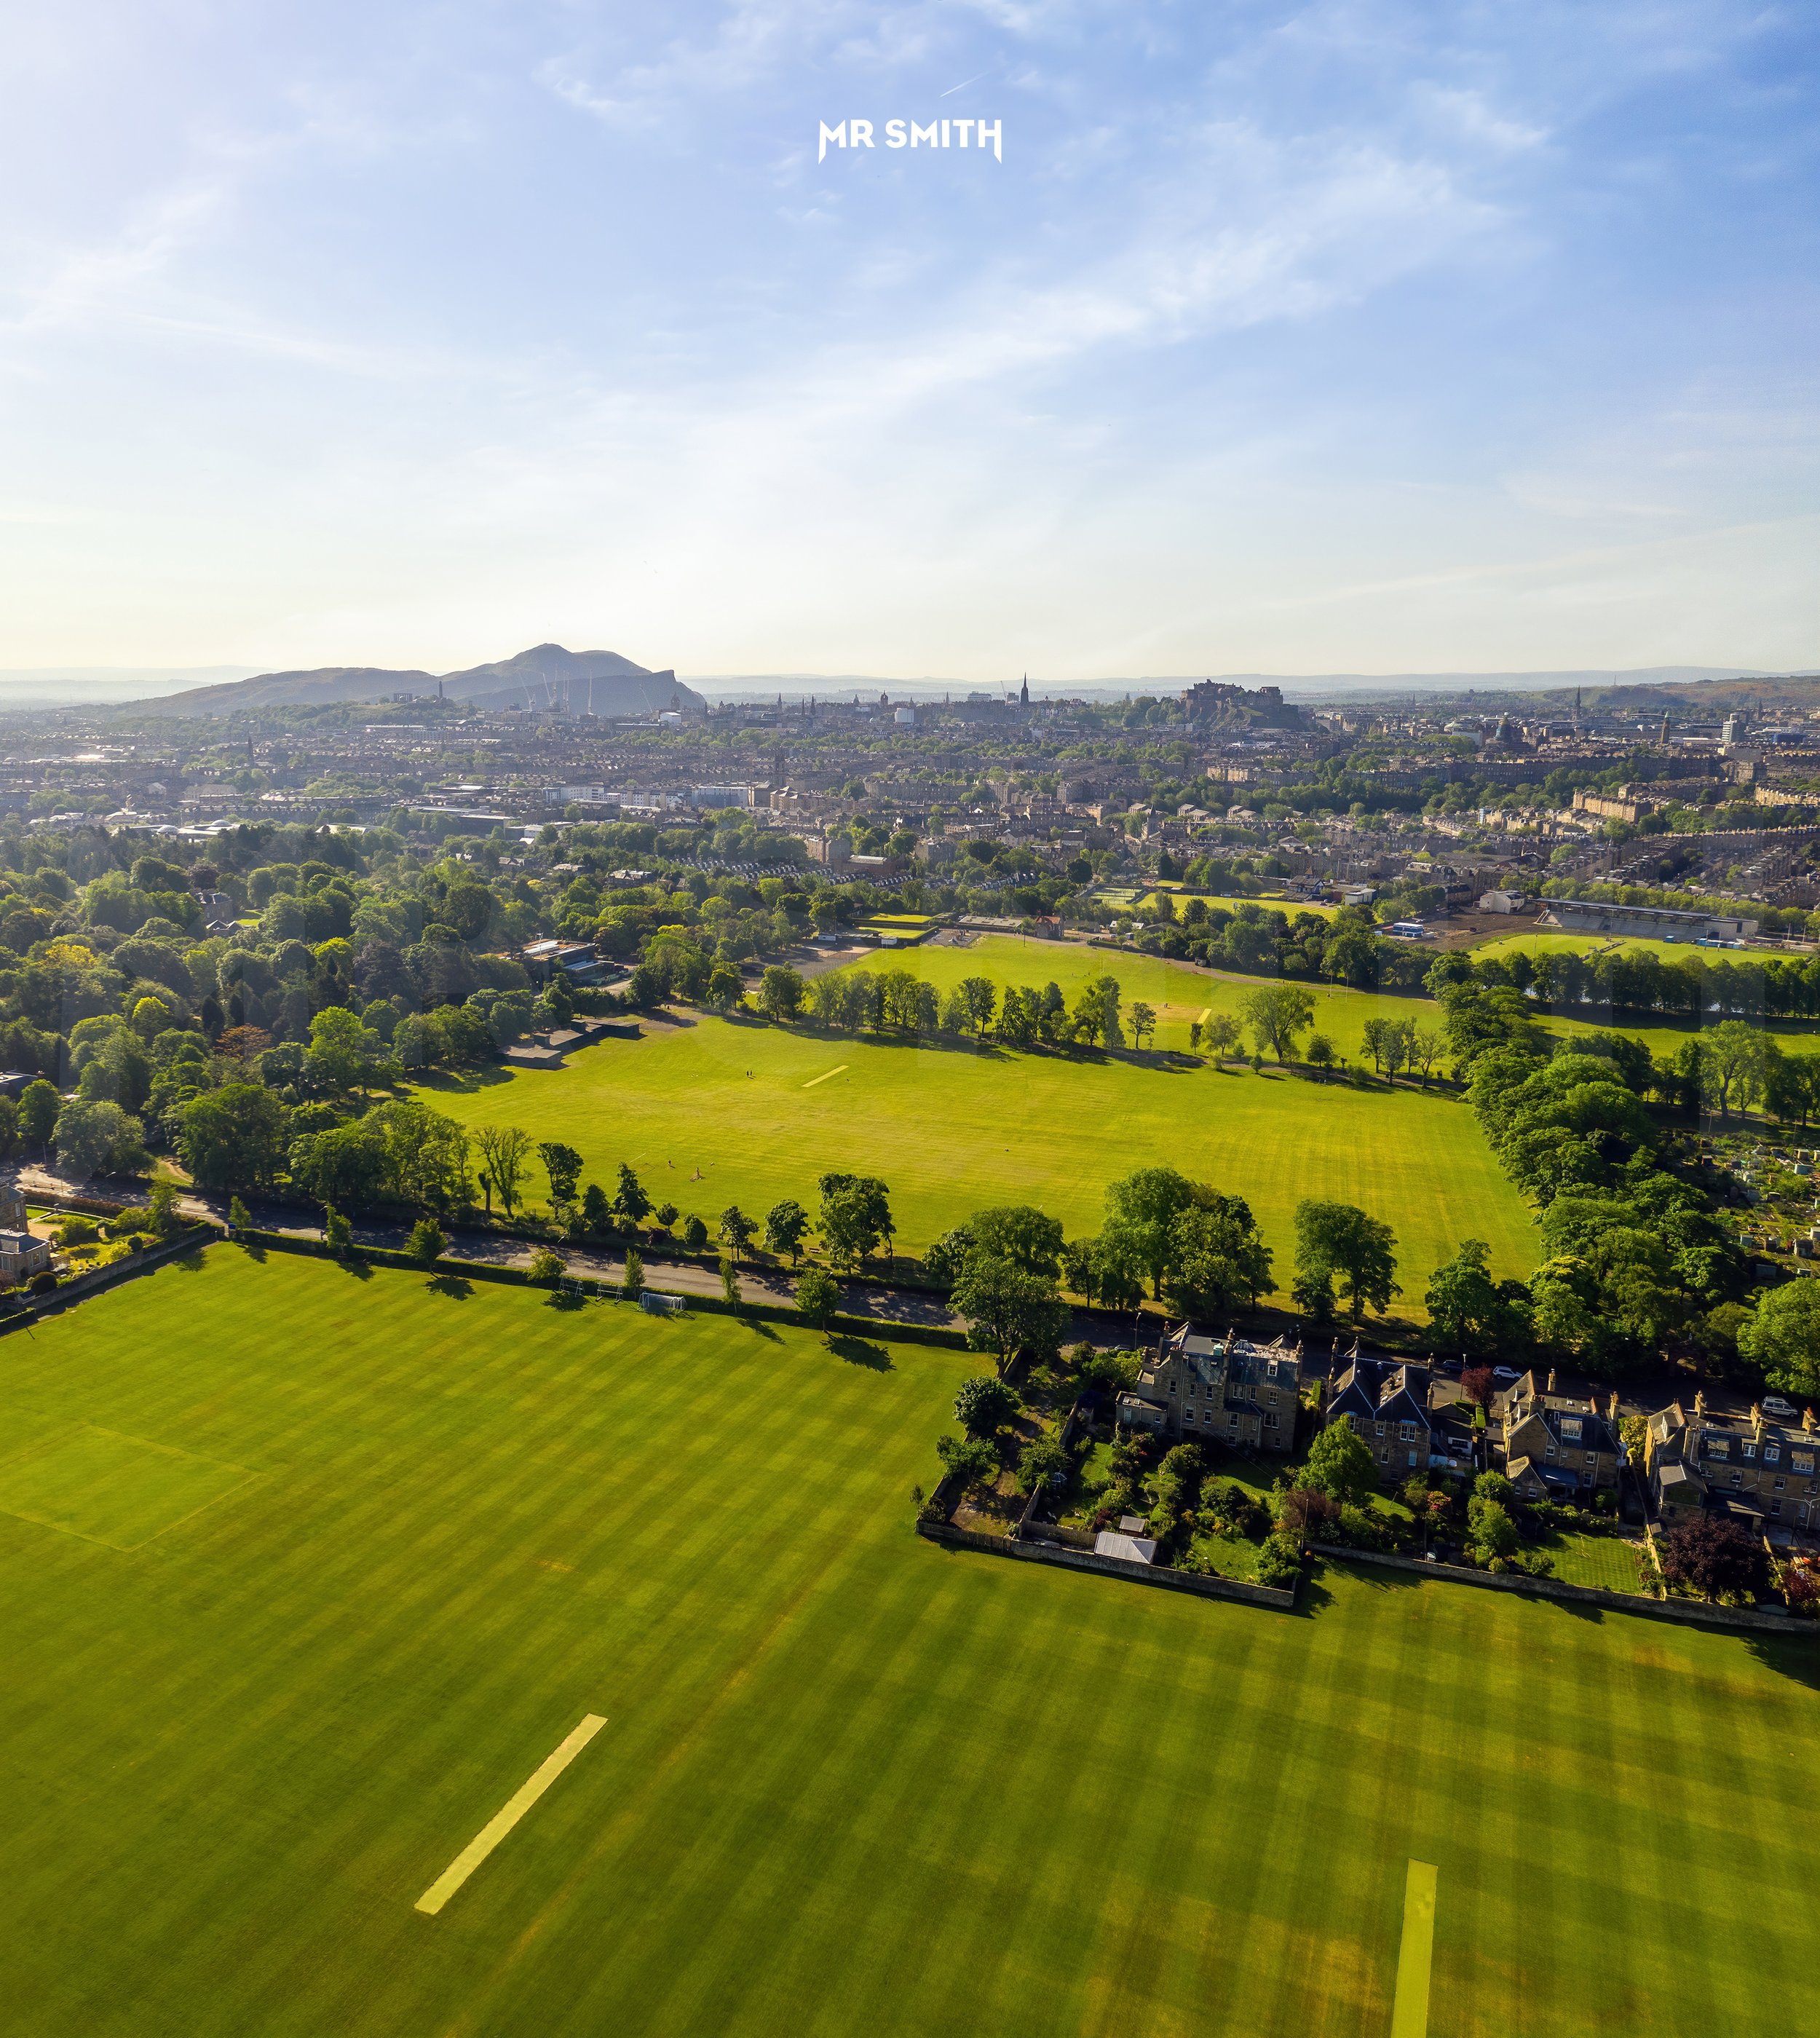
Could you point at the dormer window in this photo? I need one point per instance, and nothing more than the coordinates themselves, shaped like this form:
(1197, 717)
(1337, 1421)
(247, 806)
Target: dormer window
(1771, 1454)
(1570, 1425)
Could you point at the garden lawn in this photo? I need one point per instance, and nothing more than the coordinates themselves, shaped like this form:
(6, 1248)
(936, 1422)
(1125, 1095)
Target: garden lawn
(712, 1111)
(848, 1782)
(1607, 1561)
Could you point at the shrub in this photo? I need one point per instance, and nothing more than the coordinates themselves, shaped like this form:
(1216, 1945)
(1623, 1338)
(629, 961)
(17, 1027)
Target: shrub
(984, 1405)
(695, 1234)
(547, 1266)
(337, 1232)
(1279, 1565)
(632, 1285)
(1309, 1515)
(76, 1231)
(428, 1243)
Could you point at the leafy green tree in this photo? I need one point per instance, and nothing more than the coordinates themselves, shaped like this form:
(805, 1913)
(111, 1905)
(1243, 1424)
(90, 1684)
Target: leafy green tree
(505, 1150)
(1781, 1337)
(1338, 1241)
(1142, 1024)
(1341, 1465)
(818, 1297)
(1491, 1534)
(1466, 1313)
(345, 1165)
(427, 1242)
(239, 1219)
(632, 1281)
(1105, 1271)
(547, 1266)
(597, 1211)
(1008, 1311)
(784, 1225)
(1276, 1012)
(971, 1460)
(984, 1404)
(1321, 1053)
(233, 1137)
(726, 988)
(1218, 1262)
(1220, 1034)
(97, 1138)
(980, 995)
(695, 1234)
(1737, 1061)
(1141, 1210)
(162, 1209)
(337, 1234)
(730, 1283)
(39, 1105)
(1018, 1233)
(737, 1230)
(344, 1056)
(562, 1164)
(1043, 1462)
(781, 992)
(630, 1204)
(855, 1218)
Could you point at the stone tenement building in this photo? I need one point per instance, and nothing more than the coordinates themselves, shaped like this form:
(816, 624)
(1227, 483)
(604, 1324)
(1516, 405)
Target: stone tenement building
(1218, 1390)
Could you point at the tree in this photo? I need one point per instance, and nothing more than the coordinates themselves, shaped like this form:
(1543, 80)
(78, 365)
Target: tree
(233, 1137)
(980, 995)
(1221, 1035)
(98, 1137)
(505, 1150)
(563, 1166)
(1141, 1211)
(1018, 1233)
(1007, 1310)
(694, 1233)
(984, 1405)
(597, 1211)
(1218, 1261)
(1336, 1240)
(780, 993)
(239, 1219)
(736, 1229)
(785, 1224)
(344, 1056)
(1425, 1045)
(1491, 1533)
(547, 1266)
(1142, 1024)
(630, 1204)
(337, 1234)
(345, 1165)
(162, 1209)
(425, 1153)
(632, 1281)
(971, 1460)
(1276, 1012)
(726, 988)
(1713, 1555)
(1105, 1271)
(855, 1218)
(1736, 1057)
(1321, 1053)
(39, 1105)
(818, 1297)
(1781, 1336)
(1341, 1465)
(427, 1241)
(1479, 1383)
(1465, 1312)
(1043, 1462)
(729, 1283)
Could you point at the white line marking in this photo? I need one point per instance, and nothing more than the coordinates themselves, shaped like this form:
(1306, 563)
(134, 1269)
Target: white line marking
(502, 1823)
(814, 1080)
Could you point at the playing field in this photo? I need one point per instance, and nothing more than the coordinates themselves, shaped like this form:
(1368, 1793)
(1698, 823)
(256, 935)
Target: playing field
(1590, 944)
(712, 1112)
(846, 1782)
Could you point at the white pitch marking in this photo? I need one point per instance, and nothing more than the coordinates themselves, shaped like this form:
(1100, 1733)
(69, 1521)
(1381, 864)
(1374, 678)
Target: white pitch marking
(502, 1823)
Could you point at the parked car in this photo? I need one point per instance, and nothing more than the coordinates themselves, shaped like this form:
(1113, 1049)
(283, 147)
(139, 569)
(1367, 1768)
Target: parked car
(1505, 1372)
(1784, 1411)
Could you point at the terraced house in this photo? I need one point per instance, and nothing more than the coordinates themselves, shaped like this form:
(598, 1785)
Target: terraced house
(1556, 1446)
(1390, 1403)
(1746, 1466)
(1221, 1390)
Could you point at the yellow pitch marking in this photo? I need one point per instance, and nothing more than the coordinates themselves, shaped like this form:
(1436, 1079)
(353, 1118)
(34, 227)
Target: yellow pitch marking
(502, 1823)
(1409, 2017)
(1207, 1015)
(823, 1076)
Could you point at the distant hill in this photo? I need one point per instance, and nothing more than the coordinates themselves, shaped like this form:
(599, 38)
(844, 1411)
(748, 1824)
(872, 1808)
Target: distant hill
(581, 682)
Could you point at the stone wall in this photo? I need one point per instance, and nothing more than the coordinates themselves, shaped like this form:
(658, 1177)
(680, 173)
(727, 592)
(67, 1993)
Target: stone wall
(1085, 1560)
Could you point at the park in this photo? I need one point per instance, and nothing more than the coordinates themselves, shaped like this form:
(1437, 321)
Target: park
(291, 1616)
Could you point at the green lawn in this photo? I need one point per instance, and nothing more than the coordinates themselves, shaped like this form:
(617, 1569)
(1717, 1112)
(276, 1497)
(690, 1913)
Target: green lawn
(848, 1782)
(761, 1112)
(1607, 1561)
(1546, 943)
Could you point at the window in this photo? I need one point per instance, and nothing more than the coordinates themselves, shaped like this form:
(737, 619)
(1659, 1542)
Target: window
(1775, 1507)
(1750, 1450)
(1592, 1457)
(1270, 1421)
(1781, 1484)
(1551, 1447)
(1405, 1430)
(1771, 1454)
(1232, 1421)
(1738, 1478)
(1380, 1429)
(1570, 1425)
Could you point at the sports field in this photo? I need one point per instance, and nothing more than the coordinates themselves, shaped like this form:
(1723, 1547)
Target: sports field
(846, 1782)
(1533, 944)
(711, 1112)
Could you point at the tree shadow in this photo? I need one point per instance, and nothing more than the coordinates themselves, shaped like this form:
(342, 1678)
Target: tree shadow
(252, 1248)
(357, 1268)
(187, 1262)
(767, 1331)
(1798, 1657)
(859, 1351)
(566, 1298)
(459, 1082)
(457, 1287)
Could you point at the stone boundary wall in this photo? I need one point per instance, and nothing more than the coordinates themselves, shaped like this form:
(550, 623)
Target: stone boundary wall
(1085, 1560)
(1694, 1612)
(103, 1278)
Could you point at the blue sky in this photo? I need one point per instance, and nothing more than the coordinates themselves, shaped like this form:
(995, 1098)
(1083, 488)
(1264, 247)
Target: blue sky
(1364, 337)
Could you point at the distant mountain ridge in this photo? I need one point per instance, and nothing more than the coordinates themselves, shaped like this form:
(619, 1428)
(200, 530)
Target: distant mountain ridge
(547, 676)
